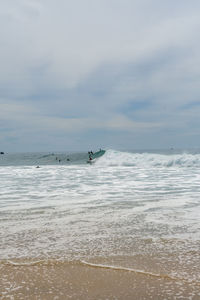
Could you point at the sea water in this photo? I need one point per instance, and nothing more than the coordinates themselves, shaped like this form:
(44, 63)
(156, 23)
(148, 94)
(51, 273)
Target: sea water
(134, 210)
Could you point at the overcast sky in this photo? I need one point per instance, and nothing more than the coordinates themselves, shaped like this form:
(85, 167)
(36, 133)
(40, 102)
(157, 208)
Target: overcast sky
(84, 74)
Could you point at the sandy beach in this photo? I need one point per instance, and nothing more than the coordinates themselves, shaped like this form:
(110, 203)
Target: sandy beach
(77, 280)
(107, 231)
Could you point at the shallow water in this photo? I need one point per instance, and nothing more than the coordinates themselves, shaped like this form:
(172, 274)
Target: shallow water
(134, 211)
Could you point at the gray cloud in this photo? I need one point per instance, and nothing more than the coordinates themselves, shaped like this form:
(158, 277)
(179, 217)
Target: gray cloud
(98, 71)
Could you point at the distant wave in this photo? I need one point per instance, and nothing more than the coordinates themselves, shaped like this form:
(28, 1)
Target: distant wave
(117, 158)
(110, 158)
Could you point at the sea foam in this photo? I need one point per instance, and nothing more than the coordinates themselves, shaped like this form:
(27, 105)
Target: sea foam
(118, 158)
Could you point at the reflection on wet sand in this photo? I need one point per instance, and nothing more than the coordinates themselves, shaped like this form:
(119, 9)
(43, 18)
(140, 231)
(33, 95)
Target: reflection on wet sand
(82, 280)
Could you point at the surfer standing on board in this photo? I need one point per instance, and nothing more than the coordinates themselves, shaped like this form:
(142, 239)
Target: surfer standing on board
(90, 153)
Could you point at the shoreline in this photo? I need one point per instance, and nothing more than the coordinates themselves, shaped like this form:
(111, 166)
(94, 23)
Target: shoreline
(85, 280)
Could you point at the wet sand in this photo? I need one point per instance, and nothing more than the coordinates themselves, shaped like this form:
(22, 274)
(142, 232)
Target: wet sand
(77, 280)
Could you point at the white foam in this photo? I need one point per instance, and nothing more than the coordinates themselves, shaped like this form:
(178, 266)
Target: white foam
(117, 158)
(103, 208)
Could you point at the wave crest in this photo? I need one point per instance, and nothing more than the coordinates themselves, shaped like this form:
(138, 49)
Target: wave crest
(117, 158)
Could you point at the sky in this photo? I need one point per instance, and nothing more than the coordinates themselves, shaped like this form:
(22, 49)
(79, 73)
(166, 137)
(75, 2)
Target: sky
(88, 74)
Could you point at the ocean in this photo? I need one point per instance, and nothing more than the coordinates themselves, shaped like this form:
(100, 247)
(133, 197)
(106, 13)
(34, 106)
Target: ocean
(125, 227)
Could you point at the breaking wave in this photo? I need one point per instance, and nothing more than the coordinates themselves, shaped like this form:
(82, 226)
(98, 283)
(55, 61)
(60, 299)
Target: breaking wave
(110, 158)
(117, 158)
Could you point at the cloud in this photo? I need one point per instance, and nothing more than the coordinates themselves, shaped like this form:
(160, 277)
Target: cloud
(93, 68)
(75, 38)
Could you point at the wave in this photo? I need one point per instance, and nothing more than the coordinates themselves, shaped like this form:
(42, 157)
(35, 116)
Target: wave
(119, 268)
(140, 272)
(117, 158)
(110, 158)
